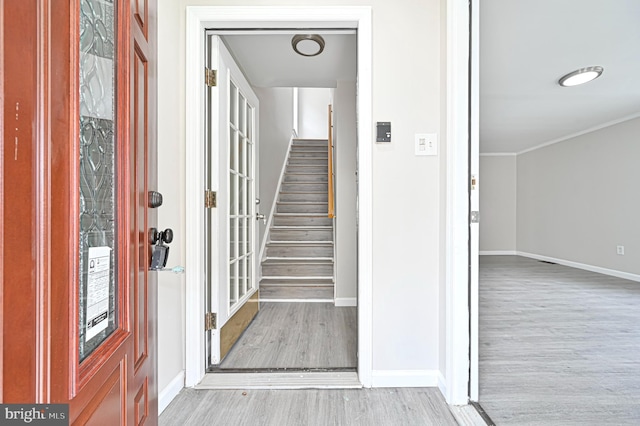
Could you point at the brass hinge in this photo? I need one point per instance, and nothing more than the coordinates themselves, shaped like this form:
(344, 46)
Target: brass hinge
(210, 199)
(210, 77)
(210, 321)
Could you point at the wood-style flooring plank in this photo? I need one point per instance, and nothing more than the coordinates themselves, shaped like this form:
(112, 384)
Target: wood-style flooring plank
(297, 335)
(311, 407)
(558, 345)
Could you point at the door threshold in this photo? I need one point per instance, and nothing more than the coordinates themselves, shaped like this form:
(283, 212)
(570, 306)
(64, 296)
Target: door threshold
(288, 379)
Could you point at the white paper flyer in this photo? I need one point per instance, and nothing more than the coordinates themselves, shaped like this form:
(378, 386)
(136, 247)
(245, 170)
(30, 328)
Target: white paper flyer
(98, 290)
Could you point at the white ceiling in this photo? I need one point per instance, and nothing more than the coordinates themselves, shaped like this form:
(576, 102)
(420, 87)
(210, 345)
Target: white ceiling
(525, 47)
(268, 60)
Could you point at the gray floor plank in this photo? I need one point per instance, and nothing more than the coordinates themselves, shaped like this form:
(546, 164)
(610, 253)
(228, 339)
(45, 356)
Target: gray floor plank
(297, 335)
(558, 345)
(312, 407)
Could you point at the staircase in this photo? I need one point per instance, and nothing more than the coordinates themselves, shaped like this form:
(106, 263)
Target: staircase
(299, 253)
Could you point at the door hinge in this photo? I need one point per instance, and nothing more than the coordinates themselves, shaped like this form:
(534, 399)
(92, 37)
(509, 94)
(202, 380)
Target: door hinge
(210, 321)
(210, 199)
(210, 77)
(475, 216)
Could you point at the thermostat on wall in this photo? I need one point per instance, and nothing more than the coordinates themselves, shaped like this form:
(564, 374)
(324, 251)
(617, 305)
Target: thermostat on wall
(383, 133)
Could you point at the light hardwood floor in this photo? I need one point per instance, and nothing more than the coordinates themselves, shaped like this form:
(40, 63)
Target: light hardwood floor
(352, 407)
(558, 346)
(297, 335)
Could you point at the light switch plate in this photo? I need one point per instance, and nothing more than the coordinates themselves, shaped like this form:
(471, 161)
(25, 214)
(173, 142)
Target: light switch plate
(426, 144)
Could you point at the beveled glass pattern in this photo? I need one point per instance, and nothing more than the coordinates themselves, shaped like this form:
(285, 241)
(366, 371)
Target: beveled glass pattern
(98, 225)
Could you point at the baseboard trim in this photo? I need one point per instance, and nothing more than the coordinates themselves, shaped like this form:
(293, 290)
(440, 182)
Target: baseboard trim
(404, 378)
(170, 392)
(346, 301)
(591, 268)
(498, 253)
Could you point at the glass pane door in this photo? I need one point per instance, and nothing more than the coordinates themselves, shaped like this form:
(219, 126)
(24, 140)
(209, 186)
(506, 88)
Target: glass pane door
(241, 193)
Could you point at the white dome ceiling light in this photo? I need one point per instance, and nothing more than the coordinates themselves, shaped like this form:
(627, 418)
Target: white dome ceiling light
(307, 44)
(581, 76)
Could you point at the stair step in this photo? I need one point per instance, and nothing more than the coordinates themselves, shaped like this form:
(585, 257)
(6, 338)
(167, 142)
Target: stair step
(295, 269)
(302, 168)
(303, 187)
(298, 260)
(306, 177)
(310, 142)
(295, 292)
(301, 234)
(283, 219)
(310, 149)
(321, 197)
(299, 249)
(309, 153)
(310, 161)
(291, 207)
(296, 281)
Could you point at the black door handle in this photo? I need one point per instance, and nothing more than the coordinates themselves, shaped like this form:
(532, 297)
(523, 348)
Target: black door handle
(159, 251)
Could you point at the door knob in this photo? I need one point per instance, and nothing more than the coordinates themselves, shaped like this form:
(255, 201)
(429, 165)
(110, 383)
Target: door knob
(155, 199)
(260, 216)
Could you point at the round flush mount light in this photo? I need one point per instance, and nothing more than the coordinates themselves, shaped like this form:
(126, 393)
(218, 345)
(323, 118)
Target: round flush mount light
(581, 76)
(307, 44)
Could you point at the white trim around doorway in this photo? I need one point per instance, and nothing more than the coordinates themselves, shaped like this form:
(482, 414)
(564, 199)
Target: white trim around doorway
(455, 383)
(200, 18)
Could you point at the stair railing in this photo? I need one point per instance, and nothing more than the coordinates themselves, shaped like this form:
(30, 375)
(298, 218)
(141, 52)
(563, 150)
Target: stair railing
(331, 204)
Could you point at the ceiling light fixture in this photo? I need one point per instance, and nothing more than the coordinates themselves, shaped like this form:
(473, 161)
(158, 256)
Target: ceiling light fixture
(581, 76)
(307, 44)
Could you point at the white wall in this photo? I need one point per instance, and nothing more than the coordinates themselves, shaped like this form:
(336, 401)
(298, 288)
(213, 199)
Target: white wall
(497, 183)
(276, 118)
(406, 189)
(313, 106)
(345, 143)
(578, 199)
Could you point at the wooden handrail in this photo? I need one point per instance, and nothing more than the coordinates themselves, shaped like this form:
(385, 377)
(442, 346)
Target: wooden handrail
(331, 212)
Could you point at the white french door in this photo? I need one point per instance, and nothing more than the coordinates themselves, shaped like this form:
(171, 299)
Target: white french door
(232, 108)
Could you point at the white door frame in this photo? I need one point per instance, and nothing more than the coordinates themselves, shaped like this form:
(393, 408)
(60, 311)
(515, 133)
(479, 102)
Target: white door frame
(455, 377)
(457, 313)
(201, 17)
(474, 134)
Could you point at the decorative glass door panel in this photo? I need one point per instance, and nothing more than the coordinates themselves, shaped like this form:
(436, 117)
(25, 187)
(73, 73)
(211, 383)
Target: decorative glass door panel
(98, 295)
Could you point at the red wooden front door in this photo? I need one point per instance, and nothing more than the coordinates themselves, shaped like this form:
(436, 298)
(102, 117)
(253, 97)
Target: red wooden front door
(49, 352)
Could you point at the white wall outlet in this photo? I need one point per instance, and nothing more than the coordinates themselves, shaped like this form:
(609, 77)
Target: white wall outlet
(426, 144)
(620, 250)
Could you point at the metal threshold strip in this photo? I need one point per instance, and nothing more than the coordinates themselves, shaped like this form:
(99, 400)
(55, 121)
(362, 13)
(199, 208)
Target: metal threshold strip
(281, 378)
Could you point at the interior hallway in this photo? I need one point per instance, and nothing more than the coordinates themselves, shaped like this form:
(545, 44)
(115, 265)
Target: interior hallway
(558, 345)
(297, 335)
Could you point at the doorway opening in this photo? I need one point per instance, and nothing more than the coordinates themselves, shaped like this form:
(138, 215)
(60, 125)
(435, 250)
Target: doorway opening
(200, 19)
(278, 301)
